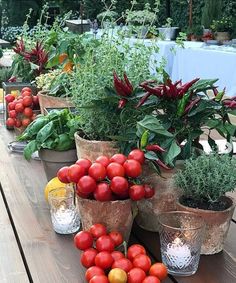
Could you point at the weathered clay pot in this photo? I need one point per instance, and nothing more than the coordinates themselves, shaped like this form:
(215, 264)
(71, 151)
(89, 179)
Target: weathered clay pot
(47, 101)
(165, 198)
(116, 215)
(53, 160)
(217, 225)
(222, 36)
(92, 149)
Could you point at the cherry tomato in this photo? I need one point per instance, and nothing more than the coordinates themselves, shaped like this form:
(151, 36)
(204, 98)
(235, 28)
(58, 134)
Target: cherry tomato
(28, 112)
(159, 270)
(26, 94)
(135, 250)
(81, 195)
(99, 279)
(104, 260)
(92, 271)
(62, 174)
(83, 240)
(115, 169)
(103, 192)
(118, 158)
(136, 275)
(117, 275)
(88, 257)
(9, 98)
(104, 160)
(123, 263)
(97, 171)
(86, 185)
(19, 107)
(142, 261)
(117, 255)
(10, 122)
(35, 100)
(11, 105)
(137, 192)
(25, 122)
(151, 279)
(18, 123)
(26, 88)
(12, 114)
(119, 185)
(27, 101)
(75, 172)
(116, 237)
(138, 155)
(149, 191)
(132, 168)
(86, 163)
(97, 230)
(105, 243)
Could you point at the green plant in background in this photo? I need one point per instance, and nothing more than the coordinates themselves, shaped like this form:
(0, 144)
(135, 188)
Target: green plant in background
(222, 25)
(11, 34)
(205, 179)
(110, 16)
(212, 10)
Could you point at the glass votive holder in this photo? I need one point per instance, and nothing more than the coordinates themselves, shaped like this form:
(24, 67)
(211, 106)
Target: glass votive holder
(181, 235)
(64, 213)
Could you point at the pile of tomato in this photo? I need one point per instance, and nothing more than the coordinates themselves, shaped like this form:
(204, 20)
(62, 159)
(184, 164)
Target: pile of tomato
(108, 179)
(20, 109)
(107, 265)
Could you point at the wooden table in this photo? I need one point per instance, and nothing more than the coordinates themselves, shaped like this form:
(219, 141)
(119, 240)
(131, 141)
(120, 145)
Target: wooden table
(30, 251)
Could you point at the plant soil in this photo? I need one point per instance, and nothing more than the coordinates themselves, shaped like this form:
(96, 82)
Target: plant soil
(220, 205)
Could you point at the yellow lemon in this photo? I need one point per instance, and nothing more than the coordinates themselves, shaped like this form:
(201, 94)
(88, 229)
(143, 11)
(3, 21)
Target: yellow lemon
(52, 185)
(117, 275)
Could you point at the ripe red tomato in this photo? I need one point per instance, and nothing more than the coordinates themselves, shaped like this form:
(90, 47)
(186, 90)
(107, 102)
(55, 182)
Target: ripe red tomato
(35, 100)
(151, 279)
(137, 192)
(26, 94)
(138, 155)
(118, 158)
(19, 107)
(81, 195)
(99, 279)
(132, 168)
(83, 240)
(19, 98)
(135, 250)
(27, 101)
(92, 271)
(86, 185)
(159, 270)
(28, 112)
(119, 185)
(103, 192)
(104, 260)
(97, 230)
(86, 163)
(123, 263)
(115, 169)
(11, 105)
(12, 114)
(62, 174)
(26, 89)
(136, 275)
(18, 123)
(75, 172)
(105, 243)
(25, 122)
(143, 262)
(104, 160)
(9, 98)
(149, 191)
(117, 255)
(116, 237)
(88, 257)
(97, 171)
(10, 122)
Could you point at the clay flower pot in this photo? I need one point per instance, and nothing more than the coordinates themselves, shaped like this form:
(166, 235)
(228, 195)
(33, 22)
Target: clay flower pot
(217, 225)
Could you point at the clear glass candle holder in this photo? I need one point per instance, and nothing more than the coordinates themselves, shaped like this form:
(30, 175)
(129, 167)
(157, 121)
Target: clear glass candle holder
(64, 213)
(181, 235)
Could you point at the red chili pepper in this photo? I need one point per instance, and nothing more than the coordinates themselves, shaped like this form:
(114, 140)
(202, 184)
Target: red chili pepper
(122, 88)
(191, 104)
(163, 165)
(215, 91)
(122, 103)
(178, 82)
(147, 82)
(155, 147)
(152, 90)
(184, 88)
(173, 90)
(232, 104)
(143, 99)
(128, 83)
(12, 79)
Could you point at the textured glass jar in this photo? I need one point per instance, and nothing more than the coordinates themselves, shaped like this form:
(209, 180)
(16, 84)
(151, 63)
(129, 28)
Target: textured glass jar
(64, 213)
(181, 235)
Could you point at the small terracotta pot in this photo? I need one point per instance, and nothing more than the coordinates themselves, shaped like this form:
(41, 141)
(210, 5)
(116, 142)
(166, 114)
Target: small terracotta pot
(222, 36)
(92, 149)
(115, 215)
(217, 225)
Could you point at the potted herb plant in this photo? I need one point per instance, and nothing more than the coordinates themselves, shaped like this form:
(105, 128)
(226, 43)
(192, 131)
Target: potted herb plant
(167, 31)
(53, 137)
(222, 29)
(204, 181)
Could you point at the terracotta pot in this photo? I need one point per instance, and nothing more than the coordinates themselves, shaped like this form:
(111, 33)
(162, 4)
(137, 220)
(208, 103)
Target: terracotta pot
(92, 149)
(47, 101)
(217, 225)
(222, 36)
(165, 198)
(53, 160)
(116, 215)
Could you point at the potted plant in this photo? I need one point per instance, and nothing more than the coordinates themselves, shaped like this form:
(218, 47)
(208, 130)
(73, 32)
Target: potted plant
(53, 137)
(195, 33)
(167, 31)
(222, 29)
(107, 18)
(204, 181)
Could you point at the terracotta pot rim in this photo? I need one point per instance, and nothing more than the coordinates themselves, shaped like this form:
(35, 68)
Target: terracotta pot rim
(112, 201)
(78, 136)
(207, 211)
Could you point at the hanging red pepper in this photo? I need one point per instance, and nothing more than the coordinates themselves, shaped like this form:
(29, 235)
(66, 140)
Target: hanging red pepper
(155, 147)
(191, 104)
(143, 99)
(161, 164)
(184, 88)
(123, 88)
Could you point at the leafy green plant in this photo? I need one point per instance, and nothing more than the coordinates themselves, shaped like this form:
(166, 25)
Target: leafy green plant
(212, 10)
(107, 16)
(207, 177)
(224, 24)
(54, 131)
